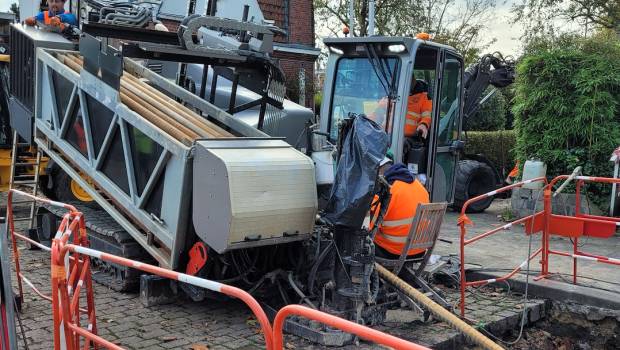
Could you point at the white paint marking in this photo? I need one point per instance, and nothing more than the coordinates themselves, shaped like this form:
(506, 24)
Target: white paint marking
(491, 194)
(507, 226)
(492, 280)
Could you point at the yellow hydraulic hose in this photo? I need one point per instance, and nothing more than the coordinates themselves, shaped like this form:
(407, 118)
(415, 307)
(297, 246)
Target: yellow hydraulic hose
(437, 310)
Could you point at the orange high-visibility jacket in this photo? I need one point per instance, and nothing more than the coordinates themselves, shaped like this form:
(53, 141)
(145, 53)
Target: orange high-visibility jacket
(419, 109)
(392, 233)
(47, 19)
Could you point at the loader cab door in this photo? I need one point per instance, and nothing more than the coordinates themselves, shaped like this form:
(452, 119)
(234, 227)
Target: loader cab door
(444, 136)
(434, 90)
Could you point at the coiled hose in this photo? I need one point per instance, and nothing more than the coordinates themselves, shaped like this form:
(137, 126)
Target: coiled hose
(437, 310)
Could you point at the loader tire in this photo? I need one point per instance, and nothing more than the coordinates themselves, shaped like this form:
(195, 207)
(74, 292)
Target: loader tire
(473, 178)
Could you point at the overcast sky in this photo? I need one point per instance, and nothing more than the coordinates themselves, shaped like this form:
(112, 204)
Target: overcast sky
(5, 4)
(507, 35)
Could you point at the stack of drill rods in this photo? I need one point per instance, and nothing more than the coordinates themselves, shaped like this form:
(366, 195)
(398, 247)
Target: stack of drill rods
(172, 117)
(178, 111)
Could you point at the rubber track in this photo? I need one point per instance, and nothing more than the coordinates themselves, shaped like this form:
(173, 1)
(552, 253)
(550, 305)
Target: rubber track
(104, 231)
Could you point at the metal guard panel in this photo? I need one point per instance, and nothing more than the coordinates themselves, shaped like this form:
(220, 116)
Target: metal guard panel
(133, 181)
(252, 193)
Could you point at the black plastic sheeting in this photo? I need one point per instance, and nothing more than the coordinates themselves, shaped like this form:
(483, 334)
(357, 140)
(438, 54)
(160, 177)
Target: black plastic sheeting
(361, 152)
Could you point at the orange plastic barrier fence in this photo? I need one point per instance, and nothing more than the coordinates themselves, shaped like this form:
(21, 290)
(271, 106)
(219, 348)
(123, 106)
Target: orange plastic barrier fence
(71, 275)
(464, 220)
(339, 323)
(549, 224)
(575, 227)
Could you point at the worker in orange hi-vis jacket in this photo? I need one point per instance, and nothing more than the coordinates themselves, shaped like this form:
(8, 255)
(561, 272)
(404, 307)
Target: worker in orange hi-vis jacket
(419, 109)
(406, 192)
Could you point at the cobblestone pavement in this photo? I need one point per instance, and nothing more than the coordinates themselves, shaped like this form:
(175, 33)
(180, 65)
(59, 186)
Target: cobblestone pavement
(229, 325)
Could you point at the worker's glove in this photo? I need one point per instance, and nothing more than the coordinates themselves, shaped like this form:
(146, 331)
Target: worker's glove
(56, 23)
(30, 21)
(422, 130)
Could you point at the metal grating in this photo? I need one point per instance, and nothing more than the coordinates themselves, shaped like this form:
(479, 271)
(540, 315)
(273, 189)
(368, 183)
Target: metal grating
(22, 69)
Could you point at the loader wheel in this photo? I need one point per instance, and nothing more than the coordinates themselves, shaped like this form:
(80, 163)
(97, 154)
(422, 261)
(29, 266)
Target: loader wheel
(473, 178)
(65, 189)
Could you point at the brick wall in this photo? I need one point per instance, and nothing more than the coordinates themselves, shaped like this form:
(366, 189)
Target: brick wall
(291, 64)
(297, 18)
(301, 22)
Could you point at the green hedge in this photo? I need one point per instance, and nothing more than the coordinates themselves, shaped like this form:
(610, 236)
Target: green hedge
(495, 145)
(566, 105)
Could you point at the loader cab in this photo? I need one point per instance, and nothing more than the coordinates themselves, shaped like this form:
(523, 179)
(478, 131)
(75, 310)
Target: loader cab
(376, 76)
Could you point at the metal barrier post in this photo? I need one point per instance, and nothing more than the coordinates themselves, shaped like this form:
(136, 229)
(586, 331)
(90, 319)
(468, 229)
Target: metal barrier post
(340, 323)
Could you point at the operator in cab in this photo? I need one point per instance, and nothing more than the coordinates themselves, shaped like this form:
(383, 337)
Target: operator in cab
(419, 108)
(56, 16)
(406, 192)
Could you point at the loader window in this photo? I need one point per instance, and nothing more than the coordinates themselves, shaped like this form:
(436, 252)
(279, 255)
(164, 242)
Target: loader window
(449, 108)
(358, 89)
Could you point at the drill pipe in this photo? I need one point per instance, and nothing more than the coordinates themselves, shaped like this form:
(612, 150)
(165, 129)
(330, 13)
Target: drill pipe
(201, 122)
(170, 116)
(136, 104)
(172, 107)
(436, 309)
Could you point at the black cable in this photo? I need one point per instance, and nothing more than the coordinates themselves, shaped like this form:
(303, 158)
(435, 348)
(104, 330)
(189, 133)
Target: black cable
(315, 267)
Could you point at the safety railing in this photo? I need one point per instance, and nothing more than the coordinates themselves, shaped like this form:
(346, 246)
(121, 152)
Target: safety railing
(574, 227)
(464, 220)
(339, 323)
(71, 277)
(10, 222)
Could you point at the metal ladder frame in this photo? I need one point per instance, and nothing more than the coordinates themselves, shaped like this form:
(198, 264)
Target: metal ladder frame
(34, 183)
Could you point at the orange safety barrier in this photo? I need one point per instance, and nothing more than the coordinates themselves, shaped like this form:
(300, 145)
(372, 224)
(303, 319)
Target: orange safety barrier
(339, 323)
(464, 220)
(75, 258)
(71, 274)
(574, 227)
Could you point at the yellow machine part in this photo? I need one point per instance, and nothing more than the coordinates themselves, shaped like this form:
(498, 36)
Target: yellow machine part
(78, 192)
(5, 167)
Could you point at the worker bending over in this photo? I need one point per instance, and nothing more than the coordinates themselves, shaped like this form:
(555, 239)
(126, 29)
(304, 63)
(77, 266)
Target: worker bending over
(406, 193)
(419, 109)
(56, 16)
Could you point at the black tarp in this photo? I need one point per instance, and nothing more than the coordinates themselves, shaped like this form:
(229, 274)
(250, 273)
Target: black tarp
(363, 148)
